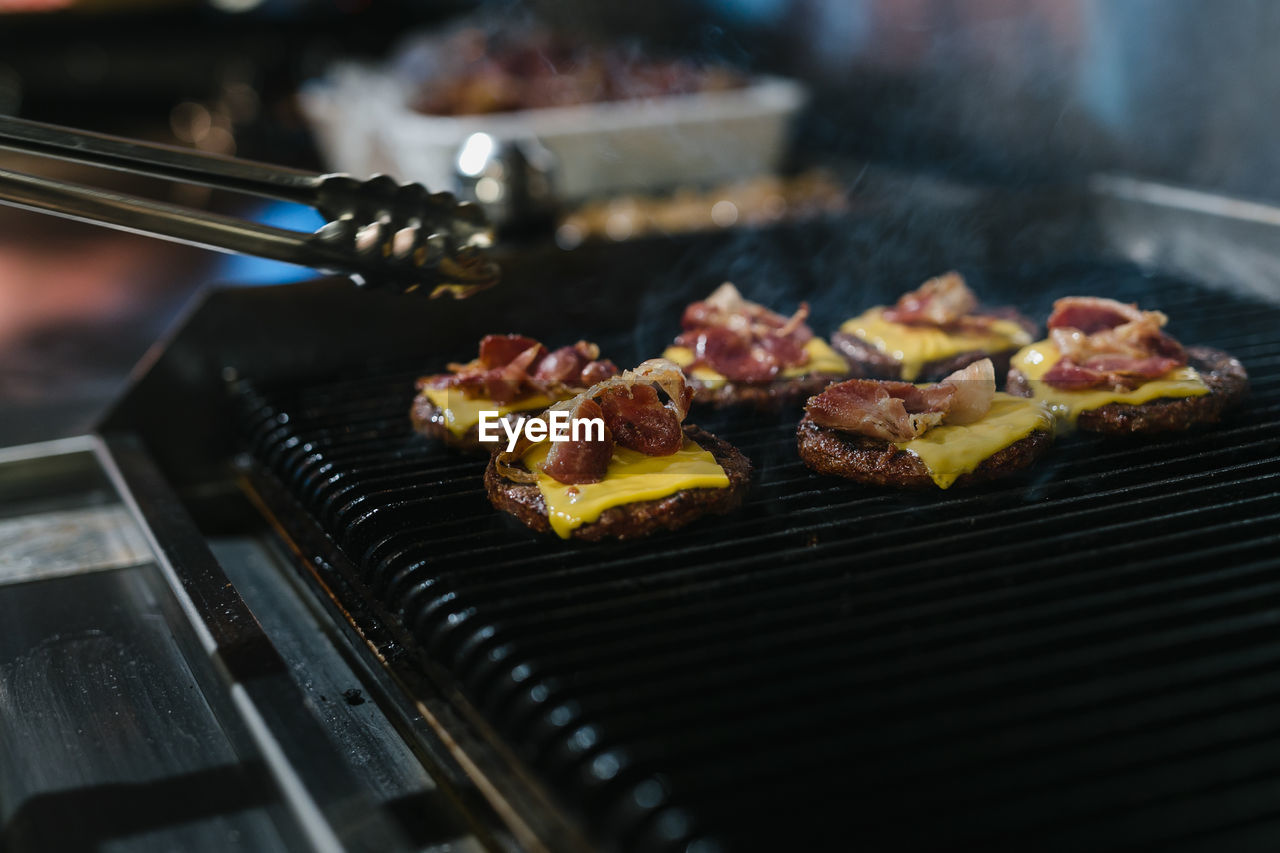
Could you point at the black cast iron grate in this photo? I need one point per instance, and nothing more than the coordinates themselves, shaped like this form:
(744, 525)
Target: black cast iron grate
(1087, 654)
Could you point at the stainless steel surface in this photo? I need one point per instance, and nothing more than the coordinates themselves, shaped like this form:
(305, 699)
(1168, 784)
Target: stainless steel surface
(326, 801)
(510, 810)
(61, 542)
(342, 697)
(1223, 241)
(108, 743)
(161, 731)
(378, 230)
(51, 476)
(136, 716)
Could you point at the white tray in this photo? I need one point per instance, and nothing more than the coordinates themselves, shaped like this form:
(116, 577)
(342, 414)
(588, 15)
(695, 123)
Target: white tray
(364, 126)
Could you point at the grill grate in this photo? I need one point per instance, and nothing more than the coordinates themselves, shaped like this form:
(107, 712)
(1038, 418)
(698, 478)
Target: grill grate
(1083, 654)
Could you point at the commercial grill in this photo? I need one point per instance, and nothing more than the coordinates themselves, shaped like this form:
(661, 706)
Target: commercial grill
(1068, 657)
(1082, 655)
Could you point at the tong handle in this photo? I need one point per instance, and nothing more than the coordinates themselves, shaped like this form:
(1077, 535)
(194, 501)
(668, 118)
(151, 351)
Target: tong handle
(163, 161)
(378, 229)
(168, 221)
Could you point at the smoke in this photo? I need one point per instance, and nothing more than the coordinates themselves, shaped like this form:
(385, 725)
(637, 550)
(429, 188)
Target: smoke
(890, 242)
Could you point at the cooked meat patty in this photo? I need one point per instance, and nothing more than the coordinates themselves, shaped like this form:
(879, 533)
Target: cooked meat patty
(1227, 380)
(508, 369)
(770, 396)
(429, 420)
(750, 349)
(867, 362)
(642, 518)
(878, 462)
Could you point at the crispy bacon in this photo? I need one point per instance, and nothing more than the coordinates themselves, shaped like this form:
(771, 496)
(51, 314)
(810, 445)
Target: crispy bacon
(743, 340)
(730, 354)
(500, 350)
(1069, 376)
(634, 416)
(1108, 344)
(940, 301)
(901, 411)
(786, 351)
(1140, 338)
(639, 420)
(1115, 373)
(567, 364)
(1092, 314)
(584, 460)
(896, 411)
(726, 306)
(668, 377)
(597, 371)
(511, 367)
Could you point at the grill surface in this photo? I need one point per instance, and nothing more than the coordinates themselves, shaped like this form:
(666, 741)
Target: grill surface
(1085, 654)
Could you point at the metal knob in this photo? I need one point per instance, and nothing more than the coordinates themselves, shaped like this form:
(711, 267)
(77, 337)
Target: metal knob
(512, 180)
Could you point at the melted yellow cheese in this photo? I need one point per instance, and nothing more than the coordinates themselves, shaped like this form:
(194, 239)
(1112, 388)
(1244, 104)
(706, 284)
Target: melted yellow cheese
(632, 476)
(916, 346)
(461, 413)
(1034, 361)
(822, 359)
(950, 451)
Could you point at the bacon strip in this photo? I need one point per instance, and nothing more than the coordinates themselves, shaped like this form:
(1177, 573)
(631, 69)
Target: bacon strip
(1108, 344)
(940, 301)
(900, 411)
(1092, 314)
(511, 367)
(638, 420)
(895, 411)
(579, 366)
(743, 340)
(634, 416)
(500, 350)
(1116, 373)
(584, 460)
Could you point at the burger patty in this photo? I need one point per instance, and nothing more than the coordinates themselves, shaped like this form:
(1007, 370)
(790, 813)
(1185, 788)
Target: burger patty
(1227, 380)
(428, 419)
(642, 518)
(768, 396)
(878, 462)
(867, 362)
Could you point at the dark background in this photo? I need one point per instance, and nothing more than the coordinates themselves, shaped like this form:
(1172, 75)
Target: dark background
(1007, 90)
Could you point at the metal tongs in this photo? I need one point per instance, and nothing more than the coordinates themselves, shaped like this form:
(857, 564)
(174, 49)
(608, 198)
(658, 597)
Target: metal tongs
(377, 230)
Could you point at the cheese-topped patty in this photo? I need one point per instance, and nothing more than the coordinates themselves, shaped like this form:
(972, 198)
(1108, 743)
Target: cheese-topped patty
(822, 359)
(461, 414)
(951, 451)
(915, 346)
(1034, 362)
(631, 477)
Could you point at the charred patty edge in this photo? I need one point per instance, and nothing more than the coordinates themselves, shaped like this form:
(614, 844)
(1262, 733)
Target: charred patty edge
(640, 518)
(877, 462)
(770, 396)
(1226, 377)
